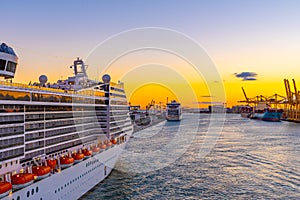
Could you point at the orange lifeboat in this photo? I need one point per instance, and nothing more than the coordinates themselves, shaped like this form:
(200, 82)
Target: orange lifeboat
(66, 162)
(95, 150)
(109, 144)
(87, 153)
(102, 146)
(51, 163)
(78, 157)
(113, 141)
(41, 171)
(22, 180)
(5, 189)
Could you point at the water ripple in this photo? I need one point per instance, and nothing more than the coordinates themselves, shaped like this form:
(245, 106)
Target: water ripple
(251, 160)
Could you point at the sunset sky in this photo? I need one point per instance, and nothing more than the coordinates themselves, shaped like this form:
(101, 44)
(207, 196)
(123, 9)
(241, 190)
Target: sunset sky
(258, 36)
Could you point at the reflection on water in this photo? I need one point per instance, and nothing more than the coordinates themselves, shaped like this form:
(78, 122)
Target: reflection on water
(251, 160)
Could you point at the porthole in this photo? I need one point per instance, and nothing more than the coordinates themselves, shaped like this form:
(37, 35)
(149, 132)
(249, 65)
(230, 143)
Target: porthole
(18, 197)
(58, 189)
(37, 189)
(28, 193)
(55, 191)
(32, 192)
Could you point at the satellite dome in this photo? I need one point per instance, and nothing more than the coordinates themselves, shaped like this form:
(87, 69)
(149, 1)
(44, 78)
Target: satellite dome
(106, 78)
(43, 79)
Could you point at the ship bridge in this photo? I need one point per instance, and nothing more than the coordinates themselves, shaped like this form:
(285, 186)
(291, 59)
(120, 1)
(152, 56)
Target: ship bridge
(8, 61)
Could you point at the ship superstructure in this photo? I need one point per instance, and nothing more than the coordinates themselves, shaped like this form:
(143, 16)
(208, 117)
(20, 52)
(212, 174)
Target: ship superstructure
(58, 140)
(173, 111)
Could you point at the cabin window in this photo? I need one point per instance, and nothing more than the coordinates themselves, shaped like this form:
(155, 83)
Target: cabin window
(2, 64)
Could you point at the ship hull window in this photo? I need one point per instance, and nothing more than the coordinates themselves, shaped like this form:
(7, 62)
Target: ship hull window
(11, 67)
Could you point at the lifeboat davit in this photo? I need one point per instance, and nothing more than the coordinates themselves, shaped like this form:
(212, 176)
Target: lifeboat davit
(66, 162)
(51, 163)
(87, 153)
(21, 180)
(5, 189)
(95, 150)
(78, 157)
(113, 141)
(41, 171)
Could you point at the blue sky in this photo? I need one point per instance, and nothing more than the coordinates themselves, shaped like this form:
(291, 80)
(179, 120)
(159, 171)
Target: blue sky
(259, 36)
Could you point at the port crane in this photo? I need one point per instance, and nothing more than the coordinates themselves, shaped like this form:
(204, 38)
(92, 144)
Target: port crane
(267, 101)
(292, 104)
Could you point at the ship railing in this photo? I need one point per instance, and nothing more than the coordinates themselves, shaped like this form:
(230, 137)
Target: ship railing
(33, 87)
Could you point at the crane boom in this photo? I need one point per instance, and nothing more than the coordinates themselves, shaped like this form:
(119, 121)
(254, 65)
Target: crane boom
(245, 95)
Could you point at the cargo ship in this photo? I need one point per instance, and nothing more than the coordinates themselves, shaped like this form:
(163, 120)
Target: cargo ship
(58, 140)
(268, 114)
(263, 108)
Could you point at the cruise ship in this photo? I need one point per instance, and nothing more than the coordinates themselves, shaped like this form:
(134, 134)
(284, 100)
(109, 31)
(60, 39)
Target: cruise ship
(173, 111)
(58, 140)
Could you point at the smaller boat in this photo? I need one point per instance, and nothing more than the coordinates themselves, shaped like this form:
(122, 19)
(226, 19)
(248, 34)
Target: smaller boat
(103, 146)
(5, 189)
(66, 162)
(22, 180)
(173, 111)
(246, 111)
(87, 153)
(113, 141)
(78, 157)
(41, 171)
(95, 150)
(109, 144)
(51, 163)
(140, 117)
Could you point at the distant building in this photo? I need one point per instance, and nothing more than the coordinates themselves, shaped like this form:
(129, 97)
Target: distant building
(236, 109)
(218, 109)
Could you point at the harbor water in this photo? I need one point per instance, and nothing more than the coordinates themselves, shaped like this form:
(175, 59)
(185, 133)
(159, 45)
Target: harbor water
(247, 159)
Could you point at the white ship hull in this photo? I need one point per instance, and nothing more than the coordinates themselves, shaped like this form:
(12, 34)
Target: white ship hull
(73, 182)
(174, 118)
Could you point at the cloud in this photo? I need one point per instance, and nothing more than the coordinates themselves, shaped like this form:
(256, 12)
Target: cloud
(246, 76)
(207, 96)
(209, 102)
